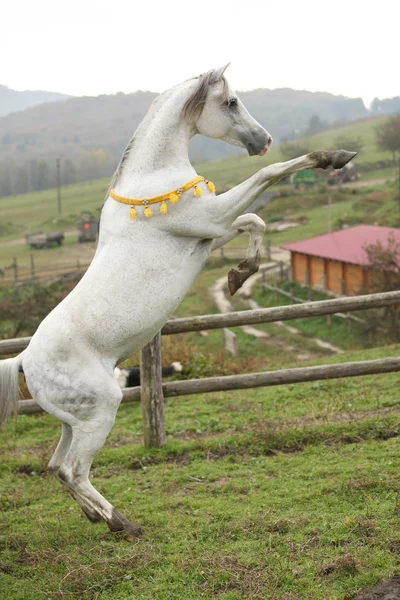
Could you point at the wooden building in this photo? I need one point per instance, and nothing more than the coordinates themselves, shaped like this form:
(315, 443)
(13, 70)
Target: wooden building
(338, 261)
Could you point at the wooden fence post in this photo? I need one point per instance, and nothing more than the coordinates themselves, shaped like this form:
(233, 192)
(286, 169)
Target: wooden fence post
(230, 342)
(268, 250)
(15, 267)
(152, 396)
(32, 266)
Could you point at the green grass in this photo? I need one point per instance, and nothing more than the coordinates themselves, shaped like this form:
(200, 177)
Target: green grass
(342, 333)
(282, 493)
(366, 130)
(38, 210)
(370, 205)
(279, 493)
(28, 213)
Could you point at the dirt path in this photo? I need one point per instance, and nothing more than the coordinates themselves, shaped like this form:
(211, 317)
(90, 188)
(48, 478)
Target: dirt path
(362, 183)
(224, 305)
(21, 241)
(245, 294)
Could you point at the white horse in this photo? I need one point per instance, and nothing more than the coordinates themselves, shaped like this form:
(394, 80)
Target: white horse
(163, 245)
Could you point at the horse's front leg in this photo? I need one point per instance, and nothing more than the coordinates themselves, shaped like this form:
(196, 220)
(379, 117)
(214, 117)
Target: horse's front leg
(233, 202)
(255, 227)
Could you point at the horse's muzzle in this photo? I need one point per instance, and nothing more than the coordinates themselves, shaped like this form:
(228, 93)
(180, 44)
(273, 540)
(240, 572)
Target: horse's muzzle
(258, 143)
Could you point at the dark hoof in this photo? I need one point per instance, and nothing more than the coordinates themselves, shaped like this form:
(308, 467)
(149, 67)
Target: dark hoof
(336, 159)
(246, 268)
(341, 158)
(123, 528)
(234, 281)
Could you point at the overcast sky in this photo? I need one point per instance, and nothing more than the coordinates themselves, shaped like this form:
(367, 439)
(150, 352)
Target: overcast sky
(91, 47)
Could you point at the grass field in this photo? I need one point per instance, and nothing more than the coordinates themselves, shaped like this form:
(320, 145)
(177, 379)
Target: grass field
(28, 212)
(370, 204)
(281, 493)
(285, 493)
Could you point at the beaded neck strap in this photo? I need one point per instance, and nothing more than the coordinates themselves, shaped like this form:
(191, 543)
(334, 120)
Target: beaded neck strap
(172, 196)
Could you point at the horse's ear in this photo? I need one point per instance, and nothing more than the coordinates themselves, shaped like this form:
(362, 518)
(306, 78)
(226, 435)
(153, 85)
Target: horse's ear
(217, 73)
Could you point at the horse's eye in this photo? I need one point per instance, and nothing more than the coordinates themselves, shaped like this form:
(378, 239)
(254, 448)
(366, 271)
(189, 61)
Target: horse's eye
(232, 102)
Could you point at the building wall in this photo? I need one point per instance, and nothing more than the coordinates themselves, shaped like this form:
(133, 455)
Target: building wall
(317, 270)
(354, 277)
(299, 267)
(334, 275)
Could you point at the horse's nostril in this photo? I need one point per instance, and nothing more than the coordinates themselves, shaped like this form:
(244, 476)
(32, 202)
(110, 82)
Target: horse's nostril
(269, 141)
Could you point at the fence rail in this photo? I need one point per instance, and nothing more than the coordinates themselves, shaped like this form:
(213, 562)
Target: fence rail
(252, 317)
(153, 390)
(290, 295)
(22, 271)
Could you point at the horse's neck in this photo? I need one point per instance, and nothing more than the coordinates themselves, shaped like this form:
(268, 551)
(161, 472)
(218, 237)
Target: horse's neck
(158, 158)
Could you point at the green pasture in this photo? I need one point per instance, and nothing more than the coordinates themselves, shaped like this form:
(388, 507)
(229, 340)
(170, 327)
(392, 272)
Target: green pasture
(27, 213)
(365, 130)
(282, 493)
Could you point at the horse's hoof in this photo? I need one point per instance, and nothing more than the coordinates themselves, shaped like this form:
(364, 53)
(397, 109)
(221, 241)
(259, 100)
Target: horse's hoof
(131, 533)
(234, 281)
(123, 528)
(246, 267)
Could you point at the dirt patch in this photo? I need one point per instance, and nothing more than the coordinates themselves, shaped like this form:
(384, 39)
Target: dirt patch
(29, 470)
(345, 565)
(386, 590)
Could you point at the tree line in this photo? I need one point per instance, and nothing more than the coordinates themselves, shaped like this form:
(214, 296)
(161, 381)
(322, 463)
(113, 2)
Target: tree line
(40, 174)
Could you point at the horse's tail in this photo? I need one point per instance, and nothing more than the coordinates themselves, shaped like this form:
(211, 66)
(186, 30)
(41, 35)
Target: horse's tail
(9, 369)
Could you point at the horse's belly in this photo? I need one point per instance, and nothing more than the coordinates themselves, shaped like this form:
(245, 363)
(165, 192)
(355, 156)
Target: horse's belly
(117, 313)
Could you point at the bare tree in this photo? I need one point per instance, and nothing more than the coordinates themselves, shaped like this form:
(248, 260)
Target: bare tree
(291, 150)
(347, 141)
(388, 138)
(384, 276)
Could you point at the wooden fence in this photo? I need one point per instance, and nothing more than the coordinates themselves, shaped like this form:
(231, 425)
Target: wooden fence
(277, 290)
(35, 271)
(153, 391)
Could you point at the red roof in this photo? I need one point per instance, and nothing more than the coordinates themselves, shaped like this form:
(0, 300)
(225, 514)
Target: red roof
(346, 245)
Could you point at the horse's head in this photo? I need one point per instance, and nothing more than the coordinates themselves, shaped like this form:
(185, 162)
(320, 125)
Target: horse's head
(214, 110)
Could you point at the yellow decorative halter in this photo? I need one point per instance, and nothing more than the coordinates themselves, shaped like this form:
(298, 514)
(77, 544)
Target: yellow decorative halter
(172, 196)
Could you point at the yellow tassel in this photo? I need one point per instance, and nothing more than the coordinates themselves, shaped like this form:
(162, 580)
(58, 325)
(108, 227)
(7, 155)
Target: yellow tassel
(174, 197)
(163, 208)
(132, 213)
(148, 212)
(211, 186)
(197, 191)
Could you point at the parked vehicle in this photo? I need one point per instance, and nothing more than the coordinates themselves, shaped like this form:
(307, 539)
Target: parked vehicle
(345, 175)
(44, 240)
(88, 229)
(303, 179)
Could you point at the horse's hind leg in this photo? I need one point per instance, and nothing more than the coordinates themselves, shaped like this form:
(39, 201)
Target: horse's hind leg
(58, 458)
(74, 474)
(62, 448)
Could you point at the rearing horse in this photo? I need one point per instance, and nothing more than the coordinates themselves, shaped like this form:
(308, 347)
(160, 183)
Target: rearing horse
(161, 221)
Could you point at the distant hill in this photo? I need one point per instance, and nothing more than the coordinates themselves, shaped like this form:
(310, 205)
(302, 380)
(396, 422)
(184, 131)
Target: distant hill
(89, 134)
(12, 100)
(79, 125)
